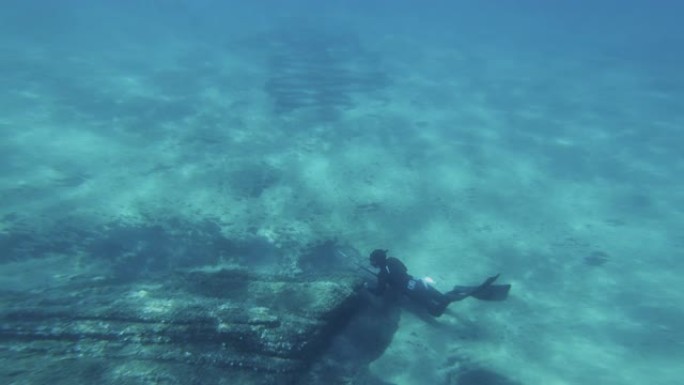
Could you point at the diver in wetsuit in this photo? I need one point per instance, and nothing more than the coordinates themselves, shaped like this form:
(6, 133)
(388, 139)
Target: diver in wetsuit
(393, 274)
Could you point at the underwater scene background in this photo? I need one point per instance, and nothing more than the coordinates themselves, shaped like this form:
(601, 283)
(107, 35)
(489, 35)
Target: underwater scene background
(540, 140)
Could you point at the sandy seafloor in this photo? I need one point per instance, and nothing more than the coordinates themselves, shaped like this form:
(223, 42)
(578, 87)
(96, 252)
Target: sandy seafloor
(534, 142)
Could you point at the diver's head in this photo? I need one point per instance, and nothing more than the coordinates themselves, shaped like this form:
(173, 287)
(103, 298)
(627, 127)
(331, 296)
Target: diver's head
(378, 258)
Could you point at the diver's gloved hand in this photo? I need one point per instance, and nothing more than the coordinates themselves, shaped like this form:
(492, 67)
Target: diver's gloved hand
(371, 288)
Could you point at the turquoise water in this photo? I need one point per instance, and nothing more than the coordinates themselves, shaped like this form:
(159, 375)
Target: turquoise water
(537, 139)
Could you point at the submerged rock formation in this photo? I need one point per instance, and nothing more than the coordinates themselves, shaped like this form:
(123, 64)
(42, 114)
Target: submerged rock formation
(200, 327)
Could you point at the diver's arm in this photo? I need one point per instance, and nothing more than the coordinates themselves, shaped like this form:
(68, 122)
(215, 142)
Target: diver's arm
(380, 286)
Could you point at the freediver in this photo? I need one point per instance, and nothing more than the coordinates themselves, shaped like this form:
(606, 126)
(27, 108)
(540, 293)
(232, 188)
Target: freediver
(394, 275)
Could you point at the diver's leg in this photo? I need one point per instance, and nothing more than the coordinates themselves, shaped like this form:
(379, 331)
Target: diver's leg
(437, 302)
(435, 295)
(437, 309)
(429, 298)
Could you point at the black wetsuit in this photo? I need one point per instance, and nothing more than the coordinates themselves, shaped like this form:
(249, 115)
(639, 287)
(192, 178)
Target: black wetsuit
(395, 276)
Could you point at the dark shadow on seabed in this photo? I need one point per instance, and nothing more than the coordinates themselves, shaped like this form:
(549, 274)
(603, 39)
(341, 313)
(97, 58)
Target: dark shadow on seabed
(319, 68)
(160, 313)
(197, 326)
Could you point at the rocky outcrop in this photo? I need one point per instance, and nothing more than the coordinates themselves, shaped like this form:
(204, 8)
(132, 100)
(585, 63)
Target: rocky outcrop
(199, 327)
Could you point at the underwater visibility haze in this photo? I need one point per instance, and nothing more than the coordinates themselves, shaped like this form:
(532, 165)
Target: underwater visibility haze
(187, 188)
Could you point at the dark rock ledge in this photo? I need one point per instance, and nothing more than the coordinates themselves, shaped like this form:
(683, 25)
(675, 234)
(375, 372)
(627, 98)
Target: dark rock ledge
(200, 327)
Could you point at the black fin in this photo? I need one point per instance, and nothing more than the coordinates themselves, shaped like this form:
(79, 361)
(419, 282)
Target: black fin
(492, 293)
(486, 291)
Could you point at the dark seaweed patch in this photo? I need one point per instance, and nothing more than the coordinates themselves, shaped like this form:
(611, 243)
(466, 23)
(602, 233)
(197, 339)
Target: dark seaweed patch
(251, 180)
(481, 377)
(130, 249)
(596, 258)
(319, 69)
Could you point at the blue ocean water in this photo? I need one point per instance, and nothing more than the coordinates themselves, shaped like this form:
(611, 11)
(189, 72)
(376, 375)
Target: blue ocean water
(537, 139)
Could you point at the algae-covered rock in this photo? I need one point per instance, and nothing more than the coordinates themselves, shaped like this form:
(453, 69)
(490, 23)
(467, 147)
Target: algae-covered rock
(200, 327)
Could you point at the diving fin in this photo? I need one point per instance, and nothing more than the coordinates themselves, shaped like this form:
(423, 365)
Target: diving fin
(492, 293)
(486, 291)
